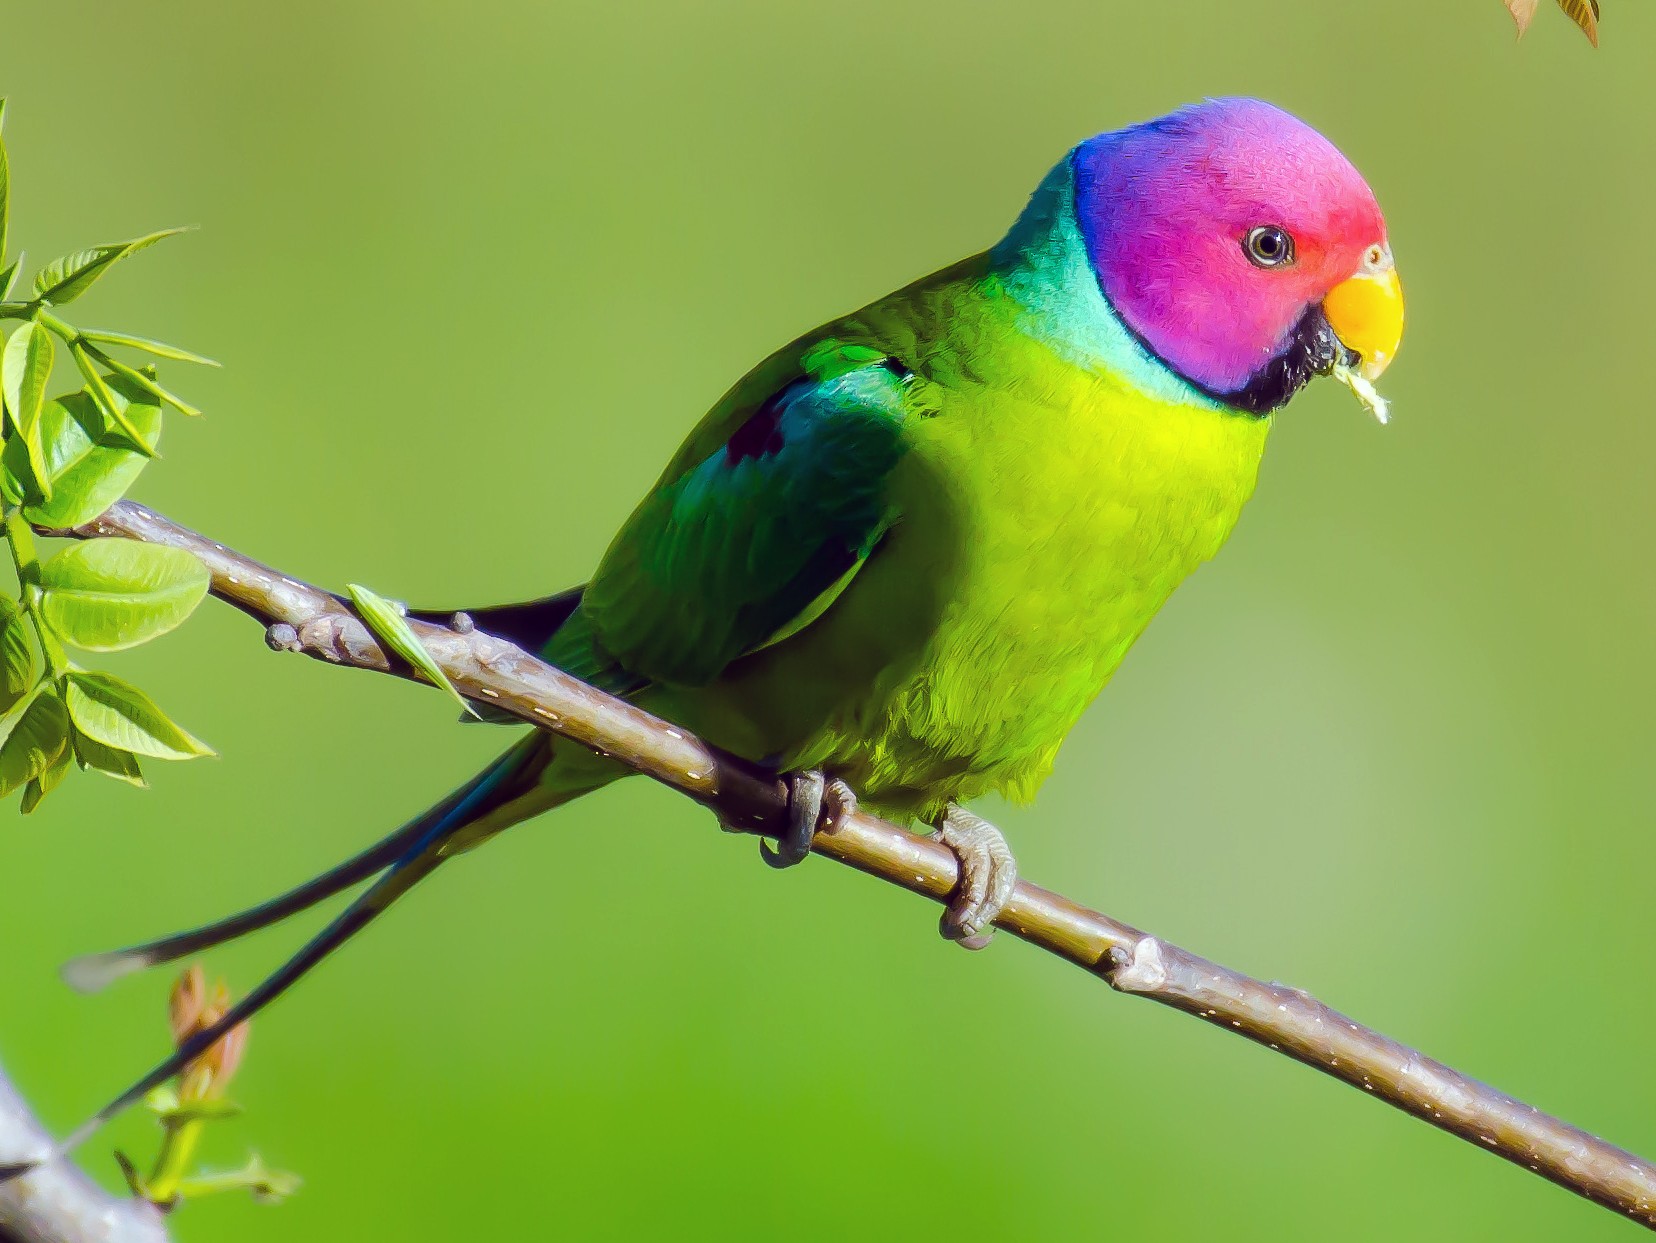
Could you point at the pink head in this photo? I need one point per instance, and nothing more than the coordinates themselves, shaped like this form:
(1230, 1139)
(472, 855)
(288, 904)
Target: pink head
(1219, 232)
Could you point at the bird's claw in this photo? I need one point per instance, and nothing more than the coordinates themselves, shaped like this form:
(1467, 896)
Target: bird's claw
(814, 802)
(988, 875)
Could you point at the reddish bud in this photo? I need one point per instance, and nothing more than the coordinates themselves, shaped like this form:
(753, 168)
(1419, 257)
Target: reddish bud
(192, 1011)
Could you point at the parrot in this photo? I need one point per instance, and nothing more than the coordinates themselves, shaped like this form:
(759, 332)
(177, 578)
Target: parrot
(898, 559)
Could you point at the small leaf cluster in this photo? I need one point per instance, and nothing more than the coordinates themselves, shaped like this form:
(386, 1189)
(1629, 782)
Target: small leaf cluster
(1584, 13)
(195, 1099)
(63, 461)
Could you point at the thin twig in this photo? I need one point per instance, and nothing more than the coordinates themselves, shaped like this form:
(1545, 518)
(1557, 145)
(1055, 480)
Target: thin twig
(57, 1202)
(299, 617)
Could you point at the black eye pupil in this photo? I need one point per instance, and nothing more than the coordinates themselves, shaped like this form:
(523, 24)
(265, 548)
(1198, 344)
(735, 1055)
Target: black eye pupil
(1268, 246)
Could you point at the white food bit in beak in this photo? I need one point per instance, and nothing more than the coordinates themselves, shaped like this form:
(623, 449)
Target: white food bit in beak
(1363, 389)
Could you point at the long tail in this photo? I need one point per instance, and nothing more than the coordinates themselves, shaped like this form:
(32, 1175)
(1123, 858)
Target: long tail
(511, 788)
(95, 972)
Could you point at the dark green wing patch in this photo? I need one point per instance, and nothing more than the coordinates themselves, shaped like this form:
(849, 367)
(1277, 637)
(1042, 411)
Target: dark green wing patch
(721, 558)
(763, 518)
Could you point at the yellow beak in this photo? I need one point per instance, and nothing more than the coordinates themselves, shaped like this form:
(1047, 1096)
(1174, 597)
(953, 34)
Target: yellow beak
(1366, 313)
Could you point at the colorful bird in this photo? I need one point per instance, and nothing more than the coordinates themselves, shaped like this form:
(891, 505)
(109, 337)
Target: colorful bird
(904, 553)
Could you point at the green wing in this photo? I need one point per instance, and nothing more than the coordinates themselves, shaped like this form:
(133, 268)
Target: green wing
(762, 519)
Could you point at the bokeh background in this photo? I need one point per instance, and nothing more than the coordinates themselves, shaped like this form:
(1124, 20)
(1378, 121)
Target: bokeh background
(474, 270)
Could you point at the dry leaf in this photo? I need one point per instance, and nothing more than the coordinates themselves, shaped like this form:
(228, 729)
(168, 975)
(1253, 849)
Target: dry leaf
(1523, 12)
(1584, 13)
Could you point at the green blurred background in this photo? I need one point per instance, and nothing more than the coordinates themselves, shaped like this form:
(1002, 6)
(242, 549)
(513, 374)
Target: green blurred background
(474, 270)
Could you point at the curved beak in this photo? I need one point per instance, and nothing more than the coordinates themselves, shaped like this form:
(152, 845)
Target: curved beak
(1366, 313)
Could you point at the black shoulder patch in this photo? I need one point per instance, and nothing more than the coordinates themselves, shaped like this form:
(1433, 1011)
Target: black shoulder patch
(760, 436)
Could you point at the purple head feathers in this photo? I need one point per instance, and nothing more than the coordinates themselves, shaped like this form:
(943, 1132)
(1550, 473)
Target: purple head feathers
(1215, 233)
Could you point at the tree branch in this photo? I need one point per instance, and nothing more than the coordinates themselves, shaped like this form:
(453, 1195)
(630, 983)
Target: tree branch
(57, 1202)
(299, 617)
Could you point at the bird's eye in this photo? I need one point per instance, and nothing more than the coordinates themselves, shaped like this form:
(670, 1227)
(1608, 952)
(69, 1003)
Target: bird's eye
(1268, 246)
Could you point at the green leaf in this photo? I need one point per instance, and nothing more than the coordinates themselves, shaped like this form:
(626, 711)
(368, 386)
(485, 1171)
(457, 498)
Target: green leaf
(107, 594)
(201, 1109)
(256, 1178)
(54, 775)
(36, 732)
(93, 756)
(25, 367)
(63, 280)
(8, 278)
(133, 376)
(48, 780)
(159, 348)
(119, 715)
(386, 620)
(162, 1100)
(17, 662)
(98, 388)
(88, 466)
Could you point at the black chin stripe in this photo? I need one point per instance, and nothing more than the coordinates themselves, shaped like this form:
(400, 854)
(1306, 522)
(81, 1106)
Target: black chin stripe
(1312, 350)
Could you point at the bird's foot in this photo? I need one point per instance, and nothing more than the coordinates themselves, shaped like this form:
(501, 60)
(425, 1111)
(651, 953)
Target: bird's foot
(988, 875)
(814, 802)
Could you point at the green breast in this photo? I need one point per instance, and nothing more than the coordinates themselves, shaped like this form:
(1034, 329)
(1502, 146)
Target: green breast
(1048, 510)
(1062, 509)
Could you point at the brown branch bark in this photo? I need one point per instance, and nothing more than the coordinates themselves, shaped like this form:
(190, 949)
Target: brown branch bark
(303, 618)
(56, 1202)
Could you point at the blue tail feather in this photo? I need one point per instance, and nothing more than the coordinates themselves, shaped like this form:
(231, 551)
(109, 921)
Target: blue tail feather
(402, 860)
